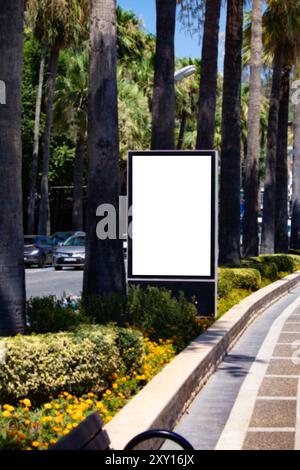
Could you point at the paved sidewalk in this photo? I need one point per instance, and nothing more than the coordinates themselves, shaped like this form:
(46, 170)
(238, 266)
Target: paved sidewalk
(253, 400)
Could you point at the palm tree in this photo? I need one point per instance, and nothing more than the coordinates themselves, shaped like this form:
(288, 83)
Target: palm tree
(281, 36)
(229, 233)
(163, 103)
(209, 72)
(251, 175)
(57, 24)
(104, 268)
(12, 282)
(36, 141)
(71, 111)
(281, 201)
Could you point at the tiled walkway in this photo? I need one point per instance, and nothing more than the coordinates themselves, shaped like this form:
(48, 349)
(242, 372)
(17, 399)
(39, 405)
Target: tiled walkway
(253, 400)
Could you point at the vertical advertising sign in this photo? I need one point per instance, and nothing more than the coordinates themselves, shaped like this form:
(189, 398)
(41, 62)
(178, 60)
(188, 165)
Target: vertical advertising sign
(172, 220)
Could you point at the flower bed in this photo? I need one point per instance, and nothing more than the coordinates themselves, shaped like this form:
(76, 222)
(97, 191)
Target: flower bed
(27, 428)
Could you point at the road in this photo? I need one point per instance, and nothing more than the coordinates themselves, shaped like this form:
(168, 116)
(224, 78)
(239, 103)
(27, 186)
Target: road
(47, 281)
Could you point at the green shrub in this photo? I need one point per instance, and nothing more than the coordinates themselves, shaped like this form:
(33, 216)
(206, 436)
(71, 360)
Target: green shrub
(161, 316)
(131, 345)
(284, 263)
(238, 278)
(268, 269)
(42, 366)
(104, 309)
(48, 315)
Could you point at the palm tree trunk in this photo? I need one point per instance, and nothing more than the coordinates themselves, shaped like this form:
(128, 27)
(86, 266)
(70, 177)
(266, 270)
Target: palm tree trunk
(281, 201)
(104, 267)
(163, 102)
(295, 229)
(182, 129)
(268, 223)
(229, 234)
(35, 153)
(251, 181)
(44, 215)
(12, 280)
(77, 212)
(209, 73)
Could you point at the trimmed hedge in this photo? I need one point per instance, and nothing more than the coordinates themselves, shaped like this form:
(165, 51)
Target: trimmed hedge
(42, 366)
(237, 278)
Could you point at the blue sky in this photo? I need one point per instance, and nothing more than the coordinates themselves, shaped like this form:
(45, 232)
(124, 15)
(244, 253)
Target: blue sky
(185, 46)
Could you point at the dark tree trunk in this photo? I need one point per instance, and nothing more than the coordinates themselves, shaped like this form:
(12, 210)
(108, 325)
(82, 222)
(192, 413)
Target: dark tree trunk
(268, 223)
(281, 201)
(104, 267)
(163, 102)
(35, 153)
(12, 281)
(229, 234)
(181, 130)
(44, 214)
(295, 229)
(209, 73)
(77, 212)
(252, 151)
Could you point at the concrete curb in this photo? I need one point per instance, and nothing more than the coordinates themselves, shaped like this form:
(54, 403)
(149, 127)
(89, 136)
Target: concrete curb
(163, 401)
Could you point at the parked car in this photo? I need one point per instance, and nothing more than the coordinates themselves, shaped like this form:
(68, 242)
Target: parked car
(38, 250)
(58, 238)
(70, 254)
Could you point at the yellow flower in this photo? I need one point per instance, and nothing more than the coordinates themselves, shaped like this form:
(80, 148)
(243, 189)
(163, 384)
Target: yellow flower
(53, 441)
(69, 411)
(124, 379)
(89, 401)
(114, 375)
(8, 407)
(91, 395)
(46, 419)
(56, 428)
(6, 414)
(35, 444)
(121, 395)
(47, 406)
(56, 406)
(99, 405)
(58, 419)
(108, 392)
(27, 422)
(65, 432)
(74, 425)
(26, 408)
(69, 426)
(27, 402)
(115, 386)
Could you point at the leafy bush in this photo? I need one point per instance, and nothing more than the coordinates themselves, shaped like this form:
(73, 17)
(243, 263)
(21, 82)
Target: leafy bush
(284, 263)
(268, 269)
(40, 366)
(132, 348)
(160, 315)
(104, 309)
(238, 278)
(49, 315)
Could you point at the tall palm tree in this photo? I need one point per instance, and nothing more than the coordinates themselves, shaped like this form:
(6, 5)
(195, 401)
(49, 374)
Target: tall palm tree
(281, 23)
(281, 201)
(36, 142)
(71, 103)
(104, 268)
(229, 233)
(251, 175)
(57, 24)
(163, 102)
(12, 282)
(209, 72)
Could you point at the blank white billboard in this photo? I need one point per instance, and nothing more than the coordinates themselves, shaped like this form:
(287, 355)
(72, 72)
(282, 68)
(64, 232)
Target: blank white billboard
(171, 215)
